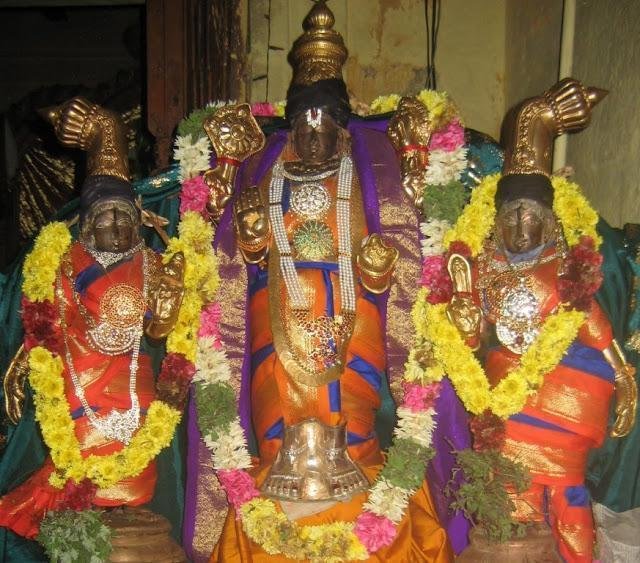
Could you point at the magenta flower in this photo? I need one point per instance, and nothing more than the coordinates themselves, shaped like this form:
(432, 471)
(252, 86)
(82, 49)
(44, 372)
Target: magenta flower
(449, 138)
(418, 397)
(436, 279)
(210, 322)
(239, 486)
(194, 195)
(374, 532)
(262, 109)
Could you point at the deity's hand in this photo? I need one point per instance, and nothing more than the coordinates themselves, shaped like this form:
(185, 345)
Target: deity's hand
(220, 189)
(571, 104)
(252, 225)
(626, 401)
(80, 124)
(410, 131)
(376, 261)
(14, 385)
(466, 316)
(166, 292)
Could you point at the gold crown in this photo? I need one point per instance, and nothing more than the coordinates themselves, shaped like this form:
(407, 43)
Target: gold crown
(319, 52)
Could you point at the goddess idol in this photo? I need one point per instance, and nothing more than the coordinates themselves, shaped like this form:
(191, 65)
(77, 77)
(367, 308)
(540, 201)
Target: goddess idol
(87, 306)
(330, 242)
(524, 268)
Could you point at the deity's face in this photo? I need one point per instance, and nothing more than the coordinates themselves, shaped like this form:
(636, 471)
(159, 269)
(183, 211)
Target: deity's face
(315, 136)
(523, 224)
(114, 228)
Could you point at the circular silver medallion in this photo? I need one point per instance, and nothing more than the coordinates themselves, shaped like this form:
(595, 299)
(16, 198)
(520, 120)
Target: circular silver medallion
(310, 201)
(518, 323)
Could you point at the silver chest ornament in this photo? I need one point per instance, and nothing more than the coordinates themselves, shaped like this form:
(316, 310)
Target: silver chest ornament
(518, 319)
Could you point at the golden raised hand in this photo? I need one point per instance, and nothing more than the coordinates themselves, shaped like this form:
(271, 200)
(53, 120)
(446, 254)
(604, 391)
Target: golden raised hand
(376, 261)
(166, 292)
(100, 132)
(252, 225)
(410, 132)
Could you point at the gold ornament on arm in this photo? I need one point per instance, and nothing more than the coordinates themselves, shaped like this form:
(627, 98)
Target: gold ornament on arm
(235, 135)
(100, 132)
(166, 290)
(410, 131)
(252, 226)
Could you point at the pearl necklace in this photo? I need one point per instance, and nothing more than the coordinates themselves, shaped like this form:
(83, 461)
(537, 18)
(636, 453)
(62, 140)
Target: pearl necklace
(287, 266)
(116, 425)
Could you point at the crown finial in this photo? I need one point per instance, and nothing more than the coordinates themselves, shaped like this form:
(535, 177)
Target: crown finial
(319, 53)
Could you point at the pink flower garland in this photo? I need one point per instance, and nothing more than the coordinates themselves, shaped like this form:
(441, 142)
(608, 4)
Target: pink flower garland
(418, 397)
(374, 532)
(239, 486)
(209, 323)
(194, 195)
(449, 138)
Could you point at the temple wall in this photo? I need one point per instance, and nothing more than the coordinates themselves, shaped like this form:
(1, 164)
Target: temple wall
(605, 156)
(387, 51)
(533, 32)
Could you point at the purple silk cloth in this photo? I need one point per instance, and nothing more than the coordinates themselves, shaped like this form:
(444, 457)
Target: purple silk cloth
(451, 431)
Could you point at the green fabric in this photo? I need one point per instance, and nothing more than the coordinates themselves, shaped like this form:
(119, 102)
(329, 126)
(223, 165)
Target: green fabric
(25, 452)
(613, 473)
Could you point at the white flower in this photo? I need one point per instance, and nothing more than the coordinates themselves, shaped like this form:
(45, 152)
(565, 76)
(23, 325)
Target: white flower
(230, 450)
(413, 371)
(212, 366)
(193, 157)
(221, 103)
(445, 167)
(416, 426)
(387, 500)
(433, 231)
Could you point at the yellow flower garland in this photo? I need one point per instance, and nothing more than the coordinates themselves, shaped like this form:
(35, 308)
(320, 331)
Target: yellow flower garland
(41, 265)
(58, 430)
(271, 529)
(474, 225)
(470, 380)
(201, 280)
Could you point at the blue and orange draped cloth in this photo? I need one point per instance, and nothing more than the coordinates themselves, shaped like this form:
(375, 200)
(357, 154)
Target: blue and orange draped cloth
(105, 380)
(374, 358)
(559, 425)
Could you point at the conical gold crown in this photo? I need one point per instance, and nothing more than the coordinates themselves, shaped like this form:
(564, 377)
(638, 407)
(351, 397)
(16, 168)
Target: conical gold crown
(319, 52)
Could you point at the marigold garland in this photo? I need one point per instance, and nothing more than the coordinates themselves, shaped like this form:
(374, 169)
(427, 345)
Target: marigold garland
(467, 375)
(41, 265)
(53, 414)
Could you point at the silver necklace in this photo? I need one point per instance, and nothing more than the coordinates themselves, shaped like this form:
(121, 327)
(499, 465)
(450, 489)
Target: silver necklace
(116, 425)
(106, 258)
